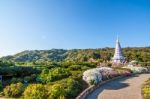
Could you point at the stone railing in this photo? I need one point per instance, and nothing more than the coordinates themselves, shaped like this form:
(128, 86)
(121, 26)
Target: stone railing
(90, 89)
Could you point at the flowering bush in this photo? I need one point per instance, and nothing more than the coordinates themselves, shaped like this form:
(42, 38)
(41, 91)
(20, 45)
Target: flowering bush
(96, 75)
(137, 69)
(107, 72)
(123, 71)
(92, 76)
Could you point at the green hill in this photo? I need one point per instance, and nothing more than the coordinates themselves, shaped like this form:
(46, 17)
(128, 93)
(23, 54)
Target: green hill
(141, 54)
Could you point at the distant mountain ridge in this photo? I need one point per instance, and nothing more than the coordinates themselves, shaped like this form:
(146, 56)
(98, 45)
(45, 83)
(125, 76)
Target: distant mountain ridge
(139, 53)
(33, 55)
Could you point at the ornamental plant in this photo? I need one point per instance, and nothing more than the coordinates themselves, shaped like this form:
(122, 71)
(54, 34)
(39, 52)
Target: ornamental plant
(137, 69)
(56, 91)
(123, 71)
(35, 91)
(14, 90)
(92, 76)
(96, 75)
(107, 72)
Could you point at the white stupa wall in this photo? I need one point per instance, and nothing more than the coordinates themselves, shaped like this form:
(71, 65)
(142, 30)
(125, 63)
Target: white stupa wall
(118, 56)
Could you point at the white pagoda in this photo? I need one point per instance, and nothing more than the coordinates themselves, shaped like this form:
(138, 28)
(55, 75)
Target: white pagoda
(118, 56)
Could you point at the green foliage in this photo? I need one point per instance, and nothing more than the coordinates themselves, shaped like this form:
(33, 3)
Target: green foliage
(14, 90)
(29, 79)
(6, 63)
(35, 91)
(62, 86)
(45, 57)
(85, 68)
(65, 89)
(18, 71)
(1, 86)
(60, 70)
(54, 74)
(77, 74)
(91, 65)
(146, 89)
(73, 88)
(16, 80)
(122, 69)
(56, 91)
(33, 56)
(75, 67)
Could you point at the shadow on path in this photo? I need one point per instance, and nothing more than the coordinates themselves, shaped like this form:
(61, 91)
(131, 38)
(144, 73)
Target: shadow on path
(112, 85)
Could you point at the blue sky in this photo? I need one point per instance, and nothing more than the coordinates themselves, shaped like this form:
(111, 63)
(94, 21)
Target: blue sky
(68, 24)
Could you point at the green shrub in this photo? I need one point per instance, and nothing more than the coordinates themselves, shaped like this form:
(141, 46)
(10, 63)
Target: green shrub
(16, 80)
(35, 91)
(146, 89)
(56, 91)
(146, 92)
(1, 86)
(75, 67)
(33, 77)
(27, 79)
(18, 71)
(85, 67)
(77, 74)
(91, 65)
(53, 75)
(69, 87)
(13, 80)
(73, 88)
(14, 90)
(20, 80)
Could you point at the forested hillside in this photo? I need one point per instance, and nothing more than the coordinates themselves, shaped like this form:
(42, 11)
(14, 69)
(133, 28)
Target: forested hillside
(141, 54)
(58, 73)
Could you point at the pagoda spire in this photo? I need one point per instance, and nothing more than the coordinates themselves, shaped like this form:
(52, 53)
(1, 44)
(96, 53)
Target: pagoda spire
(118, 56)
(117, 39)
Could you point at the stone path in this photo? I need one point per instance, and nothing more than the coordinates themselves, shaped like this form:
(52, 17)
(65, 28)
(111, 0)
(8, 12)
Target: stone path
(124, 88)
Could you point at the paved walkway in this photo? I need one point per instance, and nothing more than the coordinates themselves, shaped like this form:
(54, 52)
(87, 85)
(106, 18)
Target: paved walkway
(124, 88)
